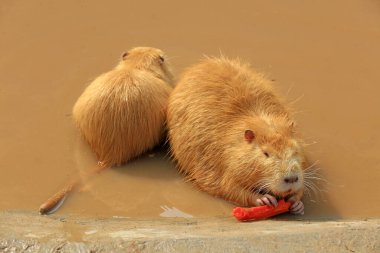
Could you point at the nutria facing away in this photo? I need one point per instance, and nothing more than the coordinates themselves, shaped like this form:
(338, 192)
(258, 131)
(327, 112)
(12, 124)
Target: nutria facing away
(122, 113)
(233, 136)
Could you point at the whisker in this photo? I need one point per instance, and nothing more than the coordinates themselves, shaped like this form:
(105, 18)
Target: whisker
(312, 189)
(298, 112)
(312, 165)
(309, 144)
(297, 99)
(261, 186)
(290, 88)
(316, 178)
(307, 191)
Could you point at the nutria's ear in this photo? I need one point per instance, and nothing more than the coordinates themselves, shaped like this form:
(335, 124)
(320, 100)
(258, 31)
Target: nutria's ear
(249, 135)
(292, 126)
(161, 59)
(124, 55)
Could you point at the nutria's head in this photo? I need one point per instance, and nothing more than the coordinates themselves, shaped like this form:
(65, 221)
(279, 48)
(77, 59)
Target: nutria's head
(270, 159)
(147, 58)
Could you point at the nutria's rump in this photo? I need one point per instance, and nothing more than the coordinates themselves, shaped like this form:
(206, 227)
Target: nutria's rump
(121, 114)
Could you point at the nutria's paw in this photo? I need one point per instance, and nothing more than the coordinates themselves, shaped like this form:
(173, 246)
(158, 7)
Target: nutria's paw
(267, 200)
(297, 208)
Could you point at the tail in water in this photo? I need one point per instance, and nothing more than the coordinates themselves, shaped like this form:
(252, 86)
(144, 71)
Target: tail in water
(55, 202)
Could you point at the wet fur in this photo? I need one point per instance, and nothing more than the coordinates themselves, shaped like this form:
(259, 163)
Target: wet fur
(212, 105)
(121, 114)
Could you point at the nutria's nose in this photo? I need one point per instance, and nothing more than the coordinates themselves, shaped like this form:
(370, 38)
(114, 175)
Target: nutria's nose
(291, 179)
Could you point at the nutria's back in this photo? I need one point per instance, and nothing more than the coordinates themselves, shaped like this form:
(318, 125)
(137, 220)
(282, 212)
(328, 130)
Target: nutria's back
(211, 108)
(121, 113)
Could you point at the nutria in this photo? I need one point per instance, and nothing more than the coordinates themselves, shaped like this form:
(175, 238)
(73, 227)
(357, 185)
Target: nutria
(234, 137)
(122, 113)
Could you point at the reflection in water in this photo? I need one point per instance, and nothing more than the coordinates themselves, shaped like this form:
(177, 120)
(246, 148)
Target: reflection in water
(173, 212)
(325, 52)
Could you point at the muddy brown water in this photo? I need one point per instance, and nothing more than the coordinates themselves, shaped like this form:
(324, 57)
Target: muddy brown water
(323, 55)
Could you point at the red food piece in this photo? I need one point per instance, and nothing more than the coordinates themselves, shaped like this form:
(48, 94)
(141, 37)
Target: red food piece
(260, 212)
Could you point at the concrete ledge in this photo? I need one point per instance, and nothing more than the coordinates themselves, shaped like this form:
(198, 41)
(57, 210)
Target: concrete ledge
(28, 232)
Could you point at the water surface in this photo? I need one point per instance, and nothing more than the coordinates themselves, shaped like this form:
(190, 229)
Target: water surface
(324, 55)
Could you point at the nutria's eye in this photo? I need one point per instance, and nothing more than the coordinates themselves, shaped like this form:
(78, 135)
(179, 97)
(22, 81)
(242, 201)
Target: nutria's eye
(249, 135)
(266, 154)
(162, 59)
(124, 55)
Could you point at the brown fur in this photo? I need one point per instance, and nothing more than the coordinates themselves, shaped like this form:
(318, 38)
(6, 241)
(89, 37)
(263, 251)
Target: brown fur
(209, 110)
(121, 114)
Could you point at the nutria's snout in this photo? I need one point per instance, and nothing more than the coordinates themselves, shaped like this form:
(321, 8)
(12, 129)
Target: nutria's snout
(291, 179)
(290, 182)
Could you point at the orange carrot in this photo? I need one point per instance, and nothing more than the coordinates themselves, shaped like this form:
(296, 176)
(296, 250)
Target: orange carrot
(260, 212)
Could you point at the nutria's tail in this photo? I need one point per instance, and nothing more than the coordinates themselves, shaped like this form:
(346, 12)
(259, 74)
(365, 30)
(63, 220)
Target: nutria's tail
(54, 202)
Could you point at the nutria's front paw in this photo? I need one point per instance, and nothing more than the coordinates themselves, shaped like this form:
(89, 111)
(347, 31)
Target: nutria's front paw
(297, 208)
(266, 200)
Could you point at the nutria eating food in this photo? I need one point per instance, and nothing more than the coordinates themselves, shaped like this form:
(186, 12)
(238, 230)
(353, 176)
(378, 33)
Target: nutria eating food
(234, 137)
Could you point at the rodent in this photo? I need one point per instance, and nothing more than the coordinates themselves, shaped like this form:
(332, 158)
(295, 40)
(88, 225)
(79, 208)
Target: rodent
(122, 113)
(234, 137)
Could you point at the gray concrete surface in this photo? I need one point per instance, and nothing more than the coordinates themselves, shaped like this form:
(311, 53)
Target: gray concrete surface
(30, 232)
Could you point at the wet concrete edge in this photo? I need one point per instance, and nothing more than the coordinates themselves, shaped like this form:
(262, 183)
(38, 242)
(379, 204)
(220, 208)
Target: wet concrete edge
(30, 232)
